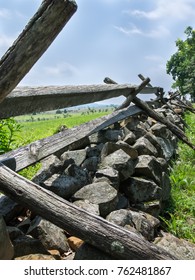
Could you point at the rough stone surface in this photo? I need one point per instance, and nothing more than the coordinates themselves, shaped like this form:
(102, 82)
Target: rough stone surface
(66, 184)
(94, 151)
(78, 156)
(6, 247)
(36, 257)
(140, 190)
(120, 161)
(148, 166)
(130, 138)
(167, 147)
(111, 147)
(180, 248)
(101, 194)
(111, 174)
(144, 147)
(154, 141)
(86, 205)
(151, 207)
(75, 242)
(51, 236)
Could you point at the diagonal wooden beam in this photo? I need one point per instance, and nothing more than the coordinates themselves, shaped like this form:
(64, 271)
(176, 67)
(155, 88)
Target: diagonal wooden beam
(34, 40)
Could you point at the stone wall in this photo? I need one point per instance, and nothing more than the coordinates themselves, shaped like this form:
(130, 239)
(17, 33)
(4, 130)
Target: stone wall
(120, 173)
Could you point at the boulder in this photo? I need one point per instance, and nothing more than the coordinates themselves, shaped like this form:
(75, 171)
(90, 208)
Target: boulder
(100, 193)
(50, 236)
(130, 138)
(113, 135)
(140, 190)
(94, 150)
(147, 166)
(66, 184)
(168, 147)
(120, 161)
(144, 147)
(111, 174)
(154, 141)
(88, 206)
(6, 247)
(111, 147)
(180, 248)
(78, 156)
(151, 207)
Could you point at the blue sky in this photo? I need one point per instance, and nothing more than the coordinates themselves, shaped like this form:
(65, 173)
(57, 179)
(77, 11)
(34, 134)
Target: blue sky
(115, 38)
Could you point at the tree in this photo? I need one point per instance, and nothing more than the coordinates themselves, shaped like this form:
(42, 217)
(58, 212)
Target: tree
(182, 64)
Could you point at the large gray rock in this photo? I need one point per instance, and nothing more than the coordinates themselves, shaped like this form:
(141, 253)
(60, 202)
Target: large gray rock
(140, 190)
(138, 222)
(166, 187)
(111, 174)
(154, 141)
(66, 184)
(88, 206)
(6, 247)
(78, 156)
(180, 248)
(147, 166)
(120, 161)
(114, 135)
(111, 147)
(168, 147)
(160, 130)
(144, 147)
(152, 207)
(100, 193)
(94, 150)
(130, 138)
(51, 236)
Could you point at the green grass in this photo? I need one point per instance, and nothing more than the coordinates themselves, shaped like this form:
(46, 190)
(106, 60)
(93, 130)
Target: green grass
(179, 216)
(32, 131)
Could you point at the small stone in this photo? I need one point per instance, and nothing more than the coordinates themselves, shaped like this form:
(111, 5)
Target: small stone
(75, 242)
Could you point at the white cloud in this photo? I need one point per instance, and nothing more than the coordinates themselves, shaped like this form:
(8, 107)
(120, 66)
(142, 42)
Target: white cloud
(159, 32)
(169, 10)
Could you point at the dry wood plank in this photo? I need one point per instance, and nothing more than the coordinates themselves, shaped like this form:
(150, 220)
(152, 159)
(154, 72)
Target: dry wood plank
(27, 100)
(33, 41)
(110, 238)
(40, 149)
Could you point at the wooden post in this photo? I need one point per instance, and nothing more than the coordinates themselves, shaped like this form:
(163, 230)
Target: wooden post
(112, 239)
(34, 40)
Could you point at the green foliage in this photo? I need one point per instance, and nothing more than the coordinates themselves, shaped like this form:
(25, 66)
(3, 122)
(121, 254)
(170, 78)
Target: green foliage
(179, 215)
(182, 64)
(8, 130)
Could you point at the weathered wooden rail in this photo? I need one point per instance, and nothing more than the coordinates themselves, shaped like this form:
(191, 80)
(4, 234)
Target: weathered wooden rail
(14, 65)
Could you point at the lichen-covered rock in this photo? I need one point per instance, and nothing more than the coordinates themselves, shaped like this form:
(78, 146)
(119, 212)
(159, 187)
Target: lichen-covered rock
(111, 174)
(147, 166)
(139, 190)
(180, 248)
(120, 161)
(78, 156)
(100, 193)
(144, 147)
(50, 235)
(88, 206)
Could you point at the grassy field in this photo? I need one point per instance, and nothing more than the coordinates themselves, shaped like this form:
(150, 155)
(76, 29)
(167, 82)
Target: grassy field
(179, 216)
(35, 130)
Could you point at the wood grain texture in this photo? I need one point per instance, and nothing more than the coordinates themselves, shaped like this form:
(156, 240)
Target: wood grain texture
(33, 41)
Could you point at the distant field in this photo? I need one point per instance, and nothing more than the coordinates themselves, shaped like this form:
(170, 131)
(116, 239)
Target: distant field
(34, 130)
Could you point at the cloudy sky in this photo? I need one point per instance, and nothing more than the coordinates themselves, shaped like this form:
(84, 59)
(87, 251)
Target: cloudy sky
(115, 38)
